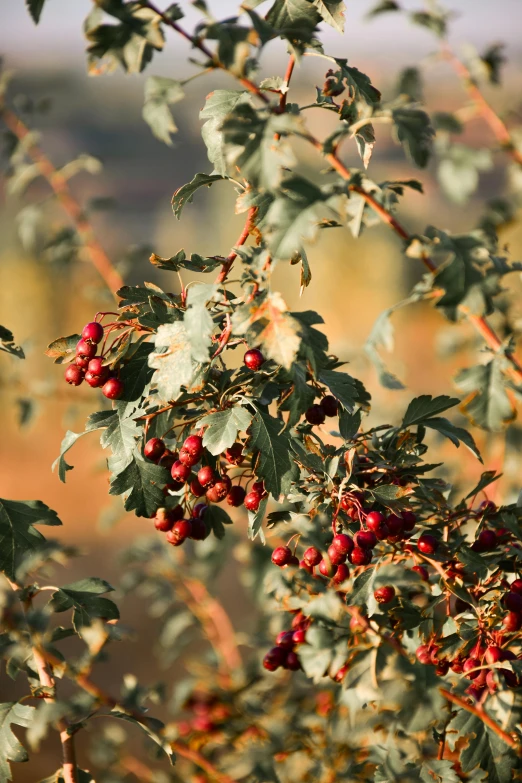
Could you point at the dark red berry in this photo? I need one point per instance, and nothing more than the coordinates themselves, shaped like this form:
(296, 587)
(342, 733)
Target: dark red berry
(93, 332)
(304, 565)
(168, 458)
(342, 574)
(291, 661)
(252, 501)
(469, 664)
(383, 595)
(326, 568)
(113, 389)
(196, 489)
(427, 544)
(294, 561)
(259, 486)
(488, 507)
(154, 449)
(94, 381)
(281, 555)
(365, 539)
(312, 556)
(395, 524)
(422, 571)
(382, 532)
(329, 405)
(341, 674)
(299, 636)
(74, 375)
(234, 455)
(81, 361)
(374, 520)
(285, 639)
(315, 415)
(360, 556)
(219, 490)
(199, 530)
(274, 659)
(199, 510)
(493, 654)
(410, 520)
(513, 602)
(194, 445)
(236, 496)
(512, 622)
(96, 366)
(187, 458)
(336, 557)
(206, 476)
(85, 349)
(253, 359)
(164, 520)
(486, 541)
(423, 654)
(343, 543)
(182, 529)
(516, 586)
(180, 472)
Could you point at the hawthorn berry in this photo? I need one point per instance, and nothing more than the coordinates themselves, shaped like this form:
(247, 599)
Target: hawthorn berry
(113, 389)
(341, 674)
(236, 496)
(253, 359)
(427, 544)
(359, 557)
(423, 654)
(252, 500)
(94, 381)
(96, 366)
(410, 520)
(274, 659)
(168, 458)
(516, 586)
(336, 557)
(154, 449)
(196, 489)
(422, 571)
(469, 664)
(365, 539)
(181, 529)
(291, 661)
(180, 472)
(299, 636)
(281, 555)
(485, 542)
(326, 568)
(199, 530)
(493, 654)
(259, 486)
(512, 601)
(315, 415)
(395, 524)
(304, 565)
(85, 350)
(206, 476)
(194, 445)
(343, 543)
(74, 375)
(384, 595)
(92, 332)
(219, 490)
(488, 507)
(187, 458)
(294, 561)
(329, 405)
(234, 455)
(374, 520)
(312, 556)
(285, 639)
(382, 532)
(81, 361)
(342, 573)
(198, 510)
(164, 519)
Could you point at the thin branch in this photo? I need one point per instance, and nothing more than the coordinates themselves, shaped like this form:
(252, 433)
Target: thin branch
(59, 184)
(227, 264)
(201, 761)
(485, 718)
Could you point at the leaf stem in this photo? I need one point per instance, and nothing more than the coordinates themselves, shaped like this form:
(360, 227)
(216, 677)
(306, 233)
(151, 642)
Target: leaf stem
(227, 264)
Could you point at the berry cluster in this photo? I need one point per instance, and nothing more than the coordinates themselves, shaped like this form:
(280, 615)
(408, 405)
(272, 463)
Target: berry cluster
(283, 654)
(89, 367)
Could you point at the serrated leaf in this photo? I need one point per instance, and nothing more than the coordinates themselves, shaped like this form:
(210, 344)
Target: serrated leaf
(83, 597)
(459, 169)
(425, 407)
(270, 326)
(198, 322)
(216, 518)
(332, 12)
(218, 105)
(10, 747)
(7, 343)
(484, 749)
(222, 428)
(160, 93)
(487, 478)
(185, 193)
(153, 728)
(18, 536)
(35, 8)
(141, 483)
(456, 435)
(174, 365)
(63, 349)
(347, 390)
(414, 131)
(487, 404)
(275, 465)
(255, 521)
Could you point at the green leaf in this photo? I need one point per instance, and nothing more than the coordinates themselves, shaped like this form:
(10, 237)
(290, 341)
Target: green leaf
(84, 599)
(456, 435)
(10, 747)
(347, 390)
(383, 7)
(332, 12)
(7, 343)
(410, 84)
(198, 322)
(426, 406)
(18, 537)
(459, 168)
(160, 93)
(436, 22)
(121, 434)
(141, 483)
(35, 8)
(487, 478)
(488, 405)
(67, 443)
(153, 728)
(63, 349)
(268, 324)
(413, 130)
(294, 19)
(172, 361)
(485, 749)
(185, 193)
(222, 428)
(217, 517)
(275, 466)
(255, 521)
(218, 105)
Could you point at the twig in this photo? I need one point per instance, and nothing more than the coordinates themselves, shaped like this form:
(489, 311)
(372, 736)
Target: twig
(59, 184)
(227, 264)
(201, 762)
(485, 718)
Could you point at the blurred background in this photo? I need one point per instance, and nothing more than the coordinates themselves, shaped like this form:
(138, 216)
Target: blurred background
(352, 280)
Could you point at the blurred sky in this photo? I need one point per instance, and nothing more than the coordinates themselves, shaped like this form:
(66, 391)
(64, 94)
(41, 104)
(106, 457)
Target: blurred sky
(59, 37)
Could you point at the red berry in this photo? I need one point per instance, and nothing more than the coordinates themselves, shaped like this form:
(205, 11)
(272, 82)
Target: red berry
(312, 556)
(493, 654)
(516, 586)
(410, 520)
(374, 520)
(294, 561)
(181, 529)
(491, 681)
(93, 332)
(187, 458)
(315, 415)
(81, 361)
(395, 525)
(291, 661)
(343, 543)
(206, 476)
(96, 365)
(427, 544)
(281, 555)
(234, 455)
(299, 621)
(336, 557)
(194, 445)
(113, 388)
(196, 489)
(252, 501)
(360, 556)
(253, 359)
(236, 496)
(85, 349)
(198, 510)
(274, 659)
(329, 406)
(74, 375)
(304, 565)
(299, 636)
(180, 472)
(423, 654)
(382, 532)
(383, 595)
(164, 519)
(94, 381)
(168, 458)
(513, 602)
(469, 664)
(326, 568)
(219, 490)
(259, 486)
(285, 639)
(512, 622)
(488, 507)
(342, 574)
(365, 539)
(422, 572)
(199, 530)
(154, 449)
(485, 542)
(341, 674)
